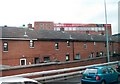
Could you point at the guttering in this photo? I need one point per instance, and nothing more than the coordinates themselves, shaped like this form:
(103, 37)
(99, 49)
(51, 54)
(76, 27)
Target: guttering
(17, 39)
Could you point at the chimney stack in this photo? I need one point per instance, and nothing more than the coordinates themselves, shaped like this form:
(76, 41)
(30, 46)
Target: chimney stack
(30, 26)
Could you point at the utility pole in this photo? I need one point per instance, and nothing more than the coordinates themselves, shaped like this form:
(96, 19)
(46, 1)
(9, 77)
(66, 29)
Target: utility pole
(107, 37)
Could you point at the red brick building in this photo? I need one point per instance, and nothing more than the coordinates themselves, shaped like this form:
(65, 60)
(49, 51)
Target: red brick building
(74, 27)
(23, 46)
(44, 25)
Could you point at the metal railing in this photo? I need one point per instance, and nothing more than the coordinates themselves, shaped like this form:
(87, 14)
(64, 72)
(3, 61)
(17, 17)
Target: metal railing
(58, 74)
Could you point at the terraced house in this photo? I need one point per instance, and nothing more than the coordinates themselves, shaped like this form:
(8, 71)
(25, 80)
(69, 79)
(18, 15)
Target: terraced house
(24, 46)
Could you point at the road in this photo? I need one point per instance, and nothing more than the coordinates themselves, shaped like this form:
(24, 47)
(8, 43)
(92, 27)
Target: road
(74, 80)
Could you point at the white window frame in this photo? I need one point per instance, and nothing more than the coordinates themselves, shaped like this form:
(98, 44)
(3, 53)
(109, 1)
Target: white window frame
(31, 44)
(24, 60)
(5, 44)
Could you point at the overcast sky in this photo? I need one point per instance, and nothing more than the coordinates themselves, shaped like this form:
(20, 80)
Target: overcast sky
(19, 12)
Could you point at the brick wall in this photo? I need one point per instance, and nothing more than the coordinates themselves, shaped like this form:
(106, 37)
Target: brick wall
(56, 65)
(21, 49)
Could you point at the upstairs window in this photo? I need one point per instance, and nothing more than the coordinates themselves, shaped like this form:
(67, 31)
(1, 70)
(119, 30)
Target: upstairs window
(94, 44)
(56, 45)
(68, 43)
(31, 44)
(5, 46)
(85, 46)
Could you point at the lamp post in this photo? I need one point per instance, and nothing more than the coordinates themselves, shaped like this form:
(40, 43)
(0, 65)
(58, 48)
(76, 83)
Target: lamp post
(107, 40)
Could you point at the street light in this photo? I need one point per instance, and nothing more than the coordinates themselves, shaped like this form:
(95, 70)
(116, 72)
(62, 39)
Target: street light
(107, 40)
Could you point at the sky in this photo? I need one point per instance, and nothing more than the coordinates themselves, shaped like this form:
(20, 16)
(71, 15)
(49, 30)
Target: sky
(19, 12)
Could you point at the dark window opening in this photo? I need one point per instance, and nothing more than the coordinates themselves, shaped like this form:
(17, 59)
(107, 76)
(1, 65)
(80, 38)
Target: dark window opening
(36, 60)
(97, 54)
(22, 61)
(67, 57)
(46, 59)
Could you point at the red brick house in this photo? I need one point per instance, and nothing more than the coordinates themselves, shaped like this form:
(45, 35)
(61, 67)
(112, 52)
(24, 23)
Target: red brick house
(23, 46)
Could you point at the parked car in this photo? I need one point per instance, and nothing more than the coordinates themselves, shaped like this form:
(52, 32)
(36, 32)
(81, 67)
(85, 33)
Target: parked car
(99, 75)
(17, 80)
(118, 67)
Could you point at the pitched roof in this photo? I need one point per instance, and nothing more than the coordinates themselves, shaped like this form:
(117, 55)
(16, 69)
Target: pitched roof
(26, 33)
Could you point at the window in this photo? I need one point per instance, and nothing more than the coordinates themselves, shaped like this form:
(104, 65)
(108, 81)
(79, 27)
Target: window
(58, 29)
(77, 57)
(103, 29)
(87, 32)
(67, 57)
(31, 44)
(62, 29)
(93, 29)
(97, 54)
(110, 70)
(91, 71)
(94, 43)
(85, 45)
(41, 25)
(36, 60)
(47, 59)
(66, 28)
(70, 28)
(74, 28)
(68, 43)
(23, 61)
(104, 70)
(56, 45)
(91, 55)
(5, 46)
(101, 53)
(96, 29)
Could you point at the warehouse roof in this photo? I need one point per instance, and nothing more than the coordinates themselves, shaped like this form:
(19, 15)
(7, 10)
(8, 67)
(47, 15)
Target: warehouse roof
(27, 33)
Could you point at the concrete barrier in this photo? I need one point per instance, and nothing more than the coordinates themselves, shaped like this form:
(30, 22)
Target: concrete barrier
(60, 73)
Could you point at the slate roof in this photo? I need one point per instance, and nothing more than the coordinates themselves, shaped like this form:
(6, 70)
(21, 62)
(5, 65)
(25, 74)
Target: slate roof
(25, 33)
